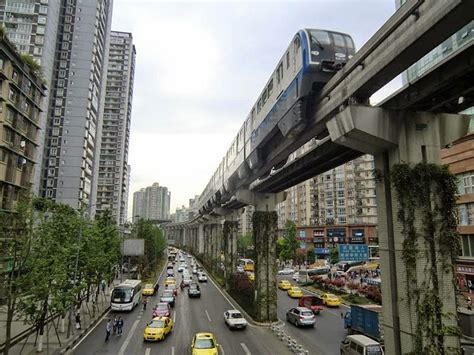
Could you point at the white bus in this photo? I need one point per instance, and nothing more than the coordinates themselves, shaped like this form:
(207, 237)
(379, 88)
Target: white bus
(126, 295)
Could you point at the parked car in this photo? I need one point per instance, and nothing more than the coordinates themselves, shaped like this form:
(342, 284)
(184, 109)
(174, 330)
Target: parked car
(202, 277)
(286, 271)
(168, 296)
(301, 316)
(234, 319)
(296, 276)
(194, 290)
(162, 309)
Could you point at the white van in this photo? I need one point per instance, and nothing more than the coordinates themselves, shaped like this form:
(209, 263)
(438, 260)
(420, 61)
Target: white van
(360, 345)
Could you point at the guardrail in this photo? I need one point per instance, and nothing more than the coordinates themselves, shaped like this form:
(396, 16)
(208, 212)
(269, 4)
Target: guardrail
(291, 343)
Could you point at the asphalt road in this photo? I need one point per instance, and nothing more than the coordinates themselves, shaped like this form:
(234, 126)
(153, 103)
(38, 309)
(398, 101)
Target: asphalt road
(190, 316)
(328, 332)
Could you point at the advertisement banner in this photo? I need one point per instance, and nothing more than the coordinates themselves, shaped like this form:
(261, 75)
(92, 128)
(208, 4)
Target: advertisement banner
(352, 252)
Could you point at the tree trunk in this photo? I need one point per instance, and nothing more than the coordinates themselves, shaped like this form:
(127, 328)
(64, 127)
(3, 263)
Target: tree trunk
(41, 325)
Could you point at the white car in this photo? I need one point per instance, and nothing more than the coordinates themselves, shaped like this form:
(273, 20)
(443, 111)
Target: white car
(234, 319)
(202, 277)
(180, 268)
(195, 271)
(286, 271)
(296, 276)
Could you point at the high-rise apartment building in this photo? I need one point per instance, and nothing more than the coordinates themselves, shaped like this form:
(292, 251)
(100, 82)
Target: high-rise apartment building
(152, 202)
(32, 25)
(74, 125)
(113, 168)
(21, 94)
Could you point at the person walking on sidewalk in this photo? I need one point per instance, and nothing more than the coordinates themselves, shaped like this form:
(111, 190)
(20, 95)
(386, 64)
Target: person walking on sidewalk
(119, 326)
(108, 328)
(114, 325)
(78, 320)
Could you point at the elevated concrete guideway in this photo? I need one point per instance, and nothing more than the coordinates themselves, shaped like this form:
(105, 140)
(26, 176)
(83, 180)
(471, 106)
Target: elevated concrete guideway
(346, 127)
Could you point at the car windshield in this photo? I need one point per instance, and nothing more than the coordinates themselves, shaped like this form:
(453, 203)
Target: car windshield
(332, 297)
(121, 294)
(148, 286)
(156, 324)
(168, 293)
(295, 289)
(204, 344)
(162, 307)
(235, 315)
(373, 350)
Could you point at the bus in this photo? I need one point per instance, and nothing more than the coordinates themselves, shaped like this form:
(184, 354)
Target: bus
(126, 295)
(305, 275)
(344, 266)
(246, 265)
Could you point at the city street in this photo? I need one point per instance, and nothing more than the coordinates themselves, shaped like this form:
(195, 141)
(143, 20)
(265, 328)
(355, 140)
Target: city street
(190, 316)
(327, 334)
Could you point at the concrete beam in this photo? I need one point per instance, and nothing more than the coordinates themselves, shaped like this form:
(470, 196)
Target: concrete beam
(374, 130)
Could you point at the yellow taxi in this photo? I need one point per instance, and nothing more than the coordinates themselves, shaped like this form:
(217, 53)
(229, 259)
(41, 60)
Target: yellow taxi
(148, 290)
(284, 285)
(295, 292)
(251, 276)
(204, 344)
(331, 300)
(170, 280)
(157, 329)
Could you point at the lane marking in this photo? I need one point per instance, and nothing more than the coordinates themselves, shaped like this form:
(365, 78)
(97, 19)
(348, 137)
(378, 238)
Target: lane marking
(129, 337)
(222, 349)
(208, 317)
(174, 317)
(246, 350)
(172, 350)
(148, 351)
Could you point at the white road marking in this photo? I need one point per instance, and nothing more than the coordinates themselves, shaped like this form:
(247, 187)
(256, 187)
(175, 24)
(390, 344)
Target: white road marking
(174, 317)
(148, 351)
(222, 349)
(246, 350)
(208, 317)
(172, 350)
(129, 336)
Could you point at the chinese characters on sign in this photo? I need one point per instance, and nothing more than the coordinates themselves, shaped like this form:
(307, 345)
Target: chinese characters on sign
(349, 252)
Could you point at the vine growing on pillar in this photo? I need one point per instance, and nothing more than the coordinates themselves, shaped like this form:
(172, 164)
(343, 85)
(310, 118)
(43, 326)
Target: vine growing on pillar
(426, 196)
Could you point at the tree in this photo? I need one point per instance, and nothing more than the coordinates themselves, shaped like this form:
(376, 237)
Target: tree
(155, 243)
(290, 243)
(244, 244)
(16, 232)
(310, 256)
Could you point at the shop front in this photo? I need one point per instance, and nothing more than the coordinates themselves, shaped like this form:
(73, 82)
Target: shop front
(465, 277)
(336, 236)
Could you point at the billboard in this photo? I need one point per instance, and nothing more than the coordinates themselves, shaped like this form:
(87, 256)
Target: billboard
(353, 252)
(133, 247)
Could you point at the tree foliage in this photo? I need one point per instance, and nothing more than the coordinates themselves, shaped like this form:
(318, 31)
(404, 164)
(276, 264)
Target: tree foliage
(245, 245)
(289, 242)
(155, 243)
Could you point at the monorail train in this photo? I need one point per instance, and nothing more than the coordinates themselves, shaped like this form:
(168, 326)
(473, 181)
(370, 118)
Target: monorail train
(311, 59)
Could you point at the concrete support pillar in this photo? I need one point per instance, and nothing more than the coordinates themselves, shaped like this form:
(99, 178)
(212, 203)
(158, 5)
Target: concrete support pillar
(200, 239)
(207, 243)
(410, 138)
(229, 235)
(265, 225)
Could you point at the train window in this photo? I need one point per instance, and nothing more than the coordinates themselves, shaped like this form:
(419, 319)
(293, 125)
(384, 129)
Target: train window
(349, 42)
(270, 88)
(320, 38)
(338, 40)
(259, 105)
(287, 60)
(264, 97)
(279, 72)
(297, 42)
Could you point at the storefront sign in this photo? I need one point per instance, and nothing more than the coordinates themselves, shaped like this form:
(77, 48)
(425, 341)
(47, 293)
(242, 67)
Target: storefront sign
(465, 269)
(318, 240)
(321, 251)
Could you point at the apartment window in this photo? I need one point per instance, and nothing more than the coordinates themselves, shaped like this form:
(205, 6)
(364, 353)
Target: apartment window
(53, 151)
(49, 193)
(41, 20)
(50, 182)
(12, 95)
(65, 46)
(60, 83)
(62, 73)
(52, 162)
(54, 141)
(55, 131)
(43, 10)
(10, 115)
(467, 245)
(466, 183)
(39, 40)
(68, 19)
(51, 172)
(38, 50)
(15, 77)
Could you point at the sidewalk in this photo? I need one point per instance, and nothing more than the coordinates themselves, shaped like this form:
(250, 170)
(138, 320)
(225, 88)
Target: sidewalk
(55, 334)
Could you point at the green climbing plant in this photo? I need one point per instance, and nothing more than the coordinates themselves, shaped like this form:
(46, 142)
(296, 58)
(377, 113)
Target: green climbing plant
(426, 196)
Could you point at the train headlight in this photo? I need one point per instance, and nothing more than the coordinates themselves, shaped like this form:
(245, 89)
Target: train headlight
(314, 52)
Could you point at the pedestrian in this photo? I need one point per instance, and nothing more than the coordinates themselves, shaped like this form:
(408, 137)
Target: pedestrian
(103, 286)
(78, 320)
(114, 325)
(469, 303)
(145, 301)
(108, 328)
(119, 326)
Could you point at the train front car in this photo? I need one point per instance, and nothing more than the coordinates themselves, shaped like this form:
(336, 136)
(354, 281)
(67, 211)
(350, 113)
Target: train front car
(327, 52)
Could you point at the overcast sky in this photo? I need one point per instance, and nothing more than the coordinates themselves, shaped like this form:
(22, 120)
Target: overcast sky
(200, 67)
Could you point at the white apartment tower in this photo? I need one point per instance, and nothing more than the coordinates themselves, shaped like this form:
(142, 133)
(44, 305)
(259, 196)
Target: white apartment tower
(152, 202)
(112, 191)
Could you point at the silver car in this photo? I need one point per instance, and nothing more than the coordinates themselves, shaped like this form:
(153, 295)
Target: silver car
(301, 316)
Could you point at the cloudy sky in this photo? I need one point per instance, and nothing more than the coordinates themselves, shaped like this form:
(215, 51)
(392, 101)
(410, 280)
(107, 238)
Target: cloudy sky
(200, 67)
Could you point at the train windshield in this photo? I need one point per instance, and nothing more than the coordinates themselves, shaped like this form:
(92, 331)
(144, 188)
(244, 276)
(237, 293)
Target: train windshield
(319, 39)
